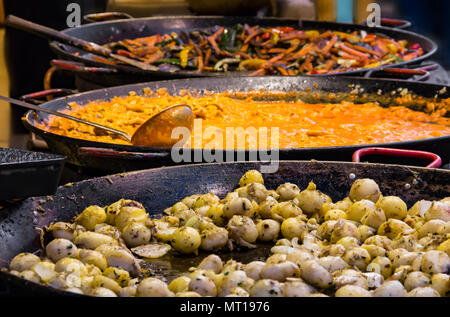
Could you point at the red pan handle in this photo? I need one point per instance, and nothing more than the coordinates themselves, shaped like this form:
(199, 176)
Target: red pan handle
(79, 67)
(393, 23)
(436, 159)
(35, 96)
(114, 154)
(106, 16)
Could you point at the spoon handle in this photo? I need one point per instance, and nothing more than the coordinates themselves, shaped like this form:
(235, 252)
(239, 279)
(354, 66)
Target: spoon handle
(60, 114)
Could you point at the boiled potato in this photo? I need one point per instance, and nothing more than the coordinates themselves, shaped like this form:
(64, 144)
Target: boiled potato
(91, 216)
(23, 261)
(268, 229)
(393, 207)
(251, 176)
(153, 287)
(293, 228)
(311, 200)
(365, 188)
(60, 248)
(186, 240)
(136, 234)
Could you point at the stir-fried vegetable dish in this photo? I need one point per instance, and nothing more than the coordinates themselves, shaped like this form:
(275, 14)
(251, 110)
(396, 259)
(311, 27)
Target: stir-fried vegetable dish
(266, 51)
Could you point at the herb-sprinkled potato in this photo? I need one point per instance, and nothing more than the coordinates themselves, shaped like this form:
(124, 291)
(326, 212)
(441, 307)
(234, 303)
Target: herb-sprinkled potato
(344, 204)
(315, 274)
(381, 265)
(214, 238)
(93, 257)
(257, 192)
(268, 229)
(423, 292)
(103, 292)
(280, 271)
(433, 226)
(358, 257)
(441, 283)
(215, 213)
(186, 240)
(121, 276)
(62, 230)
(357, 211)
(438, 210)
(393, 207)
(373, 217)
(393, 227)
(284, 210)
(69, 265)
(121, 258)
(109, 283)
(253, 269)
(434, 261)
(266, 288)
(365, 188)
(335, 214)
(238, 292)
(202, 284)
(265, 207)
(333, 263)
(211, 262)
(288, 191)
(178, 207)
(416, 279)
(343, 228)
(363, 232)
(419, 208)
(311, 200)
(91, 216)
(45, 270)
(30, 276)
(390, 289)
(445, 247)
(60, 248)
(180, 284)
(352, 291)
(92, 240)
(136, 234)
(325, 229)
(205, 200)
(348, 242)
(128, 214)
(251, 176)
(153, 287)
(237, 206)
(23, 261)
(242, 230)
(294, 287)
(190, 200)
(184, 215)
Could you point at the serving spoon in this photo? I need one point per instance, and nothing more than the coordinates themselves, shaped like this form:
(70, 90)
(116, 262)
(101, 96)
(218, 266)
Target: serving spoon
(156, 131)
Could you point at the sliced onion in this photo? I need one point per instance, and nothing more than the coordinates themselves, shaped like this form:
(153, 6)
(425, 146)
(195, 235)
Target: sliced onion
(152, 251)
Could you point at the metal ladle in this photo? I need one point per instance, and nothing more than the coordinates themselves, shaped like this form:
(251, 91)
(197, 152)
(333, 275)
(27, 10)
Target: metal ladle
(156, 131)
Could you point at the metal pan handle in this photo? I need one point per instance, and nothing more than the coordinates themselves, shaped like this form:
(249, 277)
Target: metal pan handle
(114, 154)
(436, 159)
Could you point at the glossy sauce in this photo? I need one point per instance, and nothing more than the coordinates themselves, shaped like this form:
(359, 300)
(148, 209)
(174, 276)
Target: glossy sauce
(300, 124)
